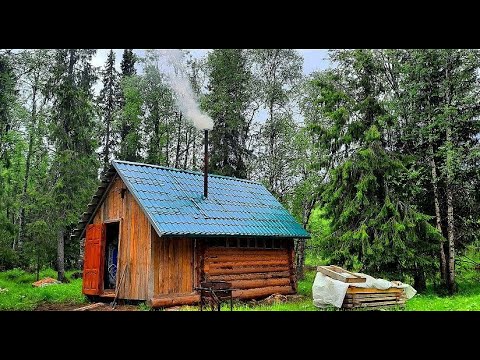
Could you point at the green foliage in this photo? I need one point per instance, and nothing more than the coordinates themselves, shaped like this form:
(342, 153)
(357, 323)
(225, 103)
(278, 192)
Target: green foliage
(228, 100)
(128, 63)
(367, 197)
(276, 75)
(109, 102)
(319, 227)
(128, 125)
(161, 116)
(357, 172)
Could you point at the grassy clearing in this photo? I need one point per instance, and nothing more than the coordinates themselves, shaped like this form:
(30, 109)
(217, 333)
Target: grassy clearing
(18, 293)
(467, 298)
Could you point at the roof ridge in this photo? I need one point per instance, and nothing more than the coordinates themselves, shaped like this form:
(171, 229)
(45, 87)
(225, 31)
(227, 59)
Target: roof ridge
(185, 171)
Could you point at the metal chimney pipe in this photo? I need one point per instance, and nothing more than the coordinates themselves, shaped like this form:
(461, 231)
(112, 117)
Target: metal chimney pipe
(205, 167)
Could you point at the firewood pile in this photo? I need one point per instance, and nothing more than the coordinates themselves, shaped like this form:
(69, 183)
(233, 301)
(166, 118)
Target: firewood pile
(363, 297)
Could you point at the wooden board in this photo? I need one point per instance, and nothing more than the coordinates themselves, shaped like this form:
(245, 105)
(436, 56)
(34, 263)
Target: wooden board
(356, 290)
(337, 273)
(173, 269)
(375, 304)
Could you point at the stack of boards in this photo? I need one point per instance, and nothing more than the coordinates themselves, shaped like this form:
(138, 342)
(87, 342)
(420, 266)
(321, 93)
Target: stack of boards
(357, 297)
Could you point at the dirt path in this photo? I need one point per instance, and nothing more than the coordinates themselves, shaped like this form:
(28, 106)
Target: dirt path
(71, 307)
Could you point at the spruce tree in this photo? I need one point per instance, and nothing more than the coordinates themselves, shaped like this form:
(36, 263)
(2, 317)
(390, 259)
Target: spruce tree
(227, 103)
(374, 224)
(128, 63)
(74, 129)
(108, 102)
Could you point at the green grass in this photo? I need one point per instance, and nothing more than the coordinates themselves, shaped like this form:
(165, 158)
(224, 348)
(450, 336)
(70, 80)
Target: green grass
(21, 295)
(467, 298)
(18, 293)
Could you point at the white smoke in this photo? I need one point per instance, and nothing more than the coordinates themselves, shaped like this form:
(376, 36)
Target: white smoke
(185, 97)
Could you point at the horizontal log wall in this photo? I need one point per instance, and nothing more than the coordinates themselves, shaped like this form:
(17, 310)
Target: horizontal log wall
(253, 272)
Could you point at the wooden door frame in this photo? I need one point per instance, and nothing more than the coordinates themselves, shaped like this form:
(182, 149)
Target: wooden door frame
(111, 221)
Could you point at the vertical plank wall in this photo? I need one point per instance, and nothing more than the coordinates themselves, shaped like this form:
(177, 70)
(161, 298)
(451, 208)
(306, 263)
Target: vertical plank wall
(172, 260)
(134, 245)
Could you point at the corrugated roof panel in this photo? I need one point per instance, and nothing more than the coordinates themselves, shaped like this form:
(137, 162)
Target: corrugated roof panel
(173, 201)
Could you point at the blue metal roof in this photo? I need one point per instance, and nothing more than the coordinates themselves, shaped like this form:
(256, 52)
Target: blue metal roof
(173, 201)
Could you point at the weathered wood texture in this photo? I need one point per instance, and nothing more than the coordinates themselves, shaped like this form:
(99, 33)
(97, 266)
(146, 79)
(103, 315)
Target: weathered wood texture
(174, 300)
(370, 297)
(254, 273)
(173, 270)
(340, 274)
(134, 249)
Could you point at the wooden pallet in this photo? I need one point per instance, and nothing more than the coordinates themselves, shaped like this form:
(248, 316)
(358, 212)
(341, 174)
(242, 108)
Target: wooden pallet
(371, 297)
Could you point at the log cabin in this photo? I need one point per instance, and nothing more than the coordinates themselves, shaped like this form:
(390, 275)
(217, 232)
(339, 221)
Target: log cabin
(150, 233)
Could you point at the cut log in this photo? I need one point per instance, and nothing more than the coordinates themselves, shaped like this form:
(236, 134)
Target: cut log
(244, 270)
(244, 257)
(260, 292)
(169, 300)
(251, 284)
(217, 251)
(250, 276)
(256, 263)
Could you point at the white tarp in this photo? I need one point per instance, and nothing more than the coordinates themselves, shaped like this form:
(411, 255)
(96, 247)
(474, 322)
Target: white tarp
(327, 291)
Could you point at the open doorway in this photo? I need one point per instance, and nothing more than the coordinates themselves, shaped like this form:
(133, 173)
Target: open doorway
(111, 255)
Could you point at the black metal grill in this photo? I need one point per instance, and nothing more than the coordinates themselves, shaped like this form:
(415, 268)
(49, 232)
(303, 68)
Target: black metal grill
(213, 293)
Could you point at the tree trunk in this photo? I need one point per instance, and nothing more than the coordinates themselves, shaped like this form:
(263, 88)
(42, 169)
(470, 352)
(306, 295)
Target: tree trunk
(438, 219)
(21, 221)
(300, 258)
(450, 211)
(61, 254)
(187, 148)
(106, 149)
(419, 282)
(179, 136)
(194, 150)
(450, 223)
